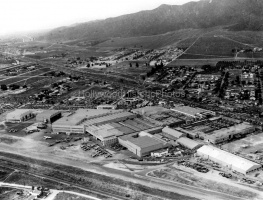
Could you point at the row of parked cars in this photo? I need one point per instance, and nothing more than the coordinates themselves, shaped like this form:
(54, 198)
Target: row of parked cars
(246, 180)
(198, 167)
(99, 151)
(225, 175)
(12, 130)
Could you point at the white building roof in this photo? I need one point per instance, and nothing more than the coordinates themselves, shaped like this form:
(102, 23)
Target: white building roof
(80, 115)
(172, 132)
(191, 144)
(16, 114)
(226, 157)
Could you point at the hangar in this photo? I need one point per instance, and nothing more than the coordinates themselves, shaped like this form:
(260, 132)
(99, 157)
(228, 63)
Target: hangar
(227, 159)
(19, 115)
(48, 116)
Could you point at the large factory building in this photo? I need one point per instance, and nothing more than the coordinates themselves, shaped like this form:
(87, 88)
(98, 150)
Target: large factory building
(143, 143)
(227, 159)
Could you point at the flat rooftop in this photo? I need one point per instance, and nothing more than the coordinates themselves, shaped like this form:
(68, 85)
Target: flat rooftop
(232, 129)
(189, 110)
(144, 141)
(49, 112)
(76, 117)
(149, 110)
(17, 112)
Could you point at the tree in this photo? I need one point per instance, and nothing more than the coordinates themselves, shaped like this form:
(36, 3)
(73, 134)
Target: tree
(3, 87)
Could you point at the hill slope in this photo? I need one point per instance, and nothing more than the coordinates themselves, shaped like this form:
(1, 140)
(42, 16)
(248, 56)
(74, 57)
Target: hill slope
(236, 15)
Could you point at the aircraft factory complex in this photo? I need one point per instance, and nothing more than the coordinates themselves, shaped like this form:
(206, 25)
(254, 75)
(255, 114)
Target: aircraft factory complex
(139, 130)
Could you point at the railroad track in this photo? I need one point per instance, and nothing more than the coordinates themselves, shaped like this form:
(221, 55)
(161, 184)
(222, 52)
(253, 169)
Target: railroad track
(68, 183)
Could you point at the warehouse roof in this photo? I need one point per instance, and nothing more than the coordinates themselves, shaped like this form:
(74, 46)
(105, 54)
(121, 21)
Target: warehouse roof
(191, 144)
(148, 110)
(48, 113)
(231, 130)
(76, 117)
(17, 113)
(172, 132)
(226, 157)
(144, 141)
(189, 110)
(107, 118)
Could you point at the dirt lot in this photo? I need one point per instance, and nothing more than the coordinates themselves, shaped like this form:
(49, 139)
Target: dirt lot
(190, 177)
(66, 196)
(247, 145)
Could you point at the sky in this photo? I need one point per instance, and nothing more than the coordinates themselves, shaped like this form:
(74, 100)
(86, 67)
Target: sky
(32, 15)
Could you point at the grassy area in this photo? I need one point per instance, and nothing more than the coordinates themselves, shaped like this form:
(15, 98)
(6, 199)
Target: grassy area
(4, 172)
(150, 42)
(193, 62)
(27, 179)
(197, 56)
(4, 190)
(22, 77)
(67, 196)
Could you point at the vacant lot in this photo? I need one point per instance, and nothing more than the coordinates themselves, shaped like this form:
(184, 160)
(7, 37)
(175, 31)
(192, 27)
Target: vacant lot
(24, 76)
(193, 62)
(151, 42)
(67, 196)
(176, 175)
(246, 145)
(4, 172)
(199, 56)
(211, 45)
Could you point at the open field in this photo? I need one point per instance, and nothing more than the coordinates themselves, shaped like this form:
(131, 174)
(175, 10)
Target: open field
(151, 42)
(212, 45)
(30, 81)
(22, 178)
(203, 181)
(200, 56)
(125, 70)
(67, 196)
(27, 75)
(193, 62)
(4, 172)
(85, 179)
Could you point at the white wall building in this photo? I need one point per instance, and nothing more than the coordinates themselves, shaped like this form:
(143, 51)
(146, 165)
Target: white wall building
(19, 115)
(228, 160)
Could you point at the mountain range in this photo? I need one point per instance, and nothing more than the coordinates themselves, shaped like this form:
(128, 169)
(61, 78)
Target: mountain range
(233, 15)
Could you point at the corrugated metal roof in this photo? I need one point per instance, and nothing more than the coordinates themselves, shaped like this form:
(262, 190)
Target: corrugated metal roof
(191, 144)
(226, 157)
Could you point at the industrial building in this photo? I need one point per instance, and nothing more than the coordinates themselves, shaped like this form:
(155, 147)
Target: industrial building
(193, 112)
(108, 133)
(19, 115)
(226, 134)
(48, 116)
(110, 107)
(143, 143)
(172, 133)
(228, 160)
(160, 116)
(188, 143)
(73, 122)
